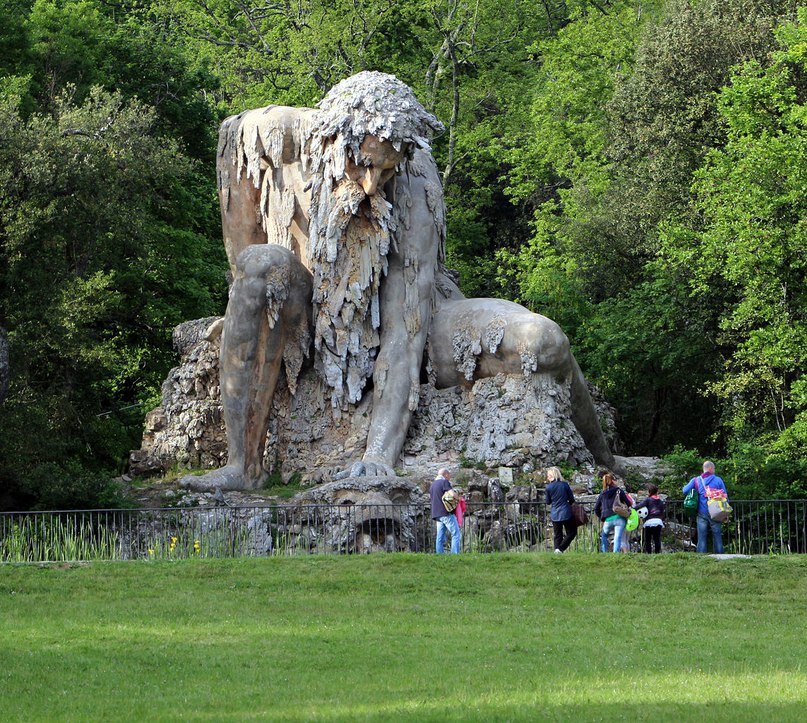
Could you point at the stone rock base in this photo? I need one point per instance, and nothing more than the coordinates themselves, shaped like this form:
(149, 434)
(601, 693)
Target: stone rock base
(511, 421)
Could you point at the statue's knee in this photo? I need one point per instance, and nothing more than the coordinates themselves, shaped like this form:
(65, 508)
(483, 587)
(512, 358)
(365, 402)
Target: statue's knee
(548, 344)
(259, 259)
(559, 343)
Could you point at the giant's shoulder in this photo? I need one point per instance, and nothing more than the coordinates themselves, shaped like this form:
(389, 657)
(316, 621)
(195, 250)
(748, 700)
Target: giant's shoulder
(271, 116)
(276, 133)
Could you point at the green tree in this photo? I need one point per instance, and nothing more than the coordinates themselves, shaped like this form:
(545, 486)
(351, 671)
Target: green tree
(562, 166)
(101, 255)
(751, 240)
(85, 43)
(664, 120)
(627, 114)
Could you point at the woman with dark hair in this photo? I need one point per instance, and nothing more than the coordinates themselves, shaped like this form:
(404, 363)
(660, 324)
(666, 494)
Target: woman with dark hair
(652, 510)
(604, 509)
(560, 496)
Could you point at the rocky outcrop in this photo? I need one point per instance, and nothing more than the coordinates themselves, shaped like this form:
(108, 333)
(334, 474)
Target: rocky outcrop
(608, 417)
(503, 420)
(187, 429)
(510, 421)
(645, 469)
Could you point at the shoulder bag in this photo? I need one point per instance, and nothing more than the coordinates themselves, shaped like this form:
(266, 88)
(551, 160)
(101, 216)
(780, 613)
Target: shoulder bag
(579, 514)
(718, 507)
(451, 499)
(619, 507)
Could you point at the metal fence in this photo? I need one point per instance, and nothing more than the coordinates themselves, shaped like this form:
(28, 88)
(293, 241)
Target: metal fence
(755, 527)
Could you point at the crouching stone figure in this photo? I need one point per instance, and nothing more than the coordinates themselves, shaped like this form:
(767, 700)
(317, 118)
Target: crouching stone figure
(334, 226)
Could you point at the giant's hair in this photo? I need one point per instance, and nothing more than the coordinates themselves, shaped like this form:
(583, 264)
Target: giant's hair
(368, 103)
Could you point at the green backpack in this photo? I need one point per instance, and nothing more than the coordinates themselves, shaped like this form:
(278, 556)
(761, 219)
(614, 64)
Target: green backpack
(691, 501)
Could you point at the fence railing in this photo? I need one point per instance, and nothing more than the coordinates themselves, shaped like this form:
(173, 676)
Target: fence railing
(755, 527)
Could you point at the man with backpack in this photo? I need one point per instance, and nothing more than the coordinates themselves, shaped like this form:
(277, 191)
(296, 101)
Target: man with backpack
(709, 487)
(443, 507)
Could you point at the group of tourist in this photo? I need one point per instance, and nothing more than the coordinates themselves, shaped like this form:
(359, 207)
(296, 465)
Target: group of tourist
(614, 507)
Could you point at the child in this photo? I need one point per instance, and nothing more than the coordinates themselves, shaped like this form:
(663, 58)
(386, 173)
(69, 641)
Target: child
(626, 538)
(653, 519)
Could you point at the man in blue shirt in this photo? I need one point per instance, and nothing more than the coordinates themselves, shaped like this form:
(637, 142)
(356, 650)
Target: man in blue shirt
(444, 518)
(709, 486)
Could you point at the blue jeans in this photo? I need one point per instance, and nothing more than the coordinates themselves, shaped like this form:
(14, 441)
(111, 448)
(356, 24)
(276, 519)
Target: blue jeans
(618, 526)
(704, 523)
(448, 522)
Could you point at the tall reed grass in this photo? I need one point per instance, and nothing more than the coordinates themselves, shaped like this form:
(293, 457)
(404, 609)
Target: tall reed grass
(53, 539)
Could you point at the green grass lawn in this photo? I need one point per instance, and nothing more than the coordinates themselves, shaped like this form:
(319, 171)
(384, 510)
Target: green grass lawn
(502, 637)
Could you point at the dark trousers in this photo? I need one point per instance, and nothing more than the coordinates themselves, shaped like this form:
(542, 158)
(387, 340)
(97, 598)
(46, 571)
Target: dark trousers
(651, 535)
(570, 527)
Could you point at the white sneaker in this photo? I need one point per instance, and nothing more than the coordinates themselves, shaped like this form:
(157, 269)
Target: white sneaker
(558, 552)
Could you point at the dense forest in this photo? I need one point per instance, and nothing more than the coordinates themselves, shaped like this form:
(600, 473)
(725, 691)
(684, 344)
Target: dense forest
(634, 169)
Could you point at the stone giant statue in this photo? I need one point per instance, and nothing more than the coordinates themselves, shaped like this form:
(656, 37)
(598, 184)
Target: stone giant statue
(334, 226)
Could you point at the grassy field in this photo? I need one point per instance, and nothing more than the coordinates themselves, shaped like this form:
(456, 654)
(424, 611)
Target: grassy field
(480, 637)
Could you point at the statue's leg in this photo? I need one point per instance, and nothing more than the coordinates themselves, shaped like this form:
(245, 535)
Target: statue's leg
(269, 303)
(477, 338)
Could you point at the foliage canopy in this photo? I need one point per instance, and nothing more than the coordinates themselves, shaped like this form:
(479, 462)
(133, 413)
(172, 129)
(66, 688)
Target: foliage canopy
(632, 168)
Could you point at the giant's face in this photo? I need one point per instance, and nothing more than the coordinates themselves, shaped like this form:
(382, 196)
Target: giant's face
(375, 165)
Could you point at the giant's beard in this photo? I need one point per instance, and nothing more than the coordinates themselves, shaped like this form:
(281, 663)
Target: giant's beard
(349, 239)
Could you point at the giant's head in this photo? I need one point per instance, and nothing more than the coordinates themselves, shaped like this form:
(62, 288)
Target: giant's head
(370, 121)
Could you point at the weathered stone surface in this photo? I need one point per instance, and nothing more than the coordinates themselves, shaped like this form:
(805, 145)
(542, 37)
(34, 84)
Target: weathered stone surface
(187, 428)
(646, 469)
(608, 417)
(187, 336)
(366, 491)
(503, 420)
(334, 225)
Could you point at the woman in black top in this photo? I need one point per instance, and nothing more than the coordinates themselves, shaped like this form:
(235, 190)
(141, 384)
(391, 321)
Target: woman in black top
(604, 509)
(561, 497)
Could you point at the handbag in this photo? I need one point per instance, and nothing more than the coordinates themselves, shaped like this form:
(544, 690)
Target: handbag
(579, 514)
(719, 509)
(619, 507)
(451, 499)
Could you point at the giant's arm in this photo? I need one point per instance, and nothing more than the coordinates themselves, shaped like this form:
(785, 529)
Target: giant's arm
(585, 418)
(406, 310)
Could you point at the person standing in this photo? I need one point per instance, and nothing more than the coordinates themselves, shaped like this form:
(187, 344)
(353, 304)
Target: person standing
(443, 517)
(561, 498)
(604, 509)
(709, 487)
(653, 519)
